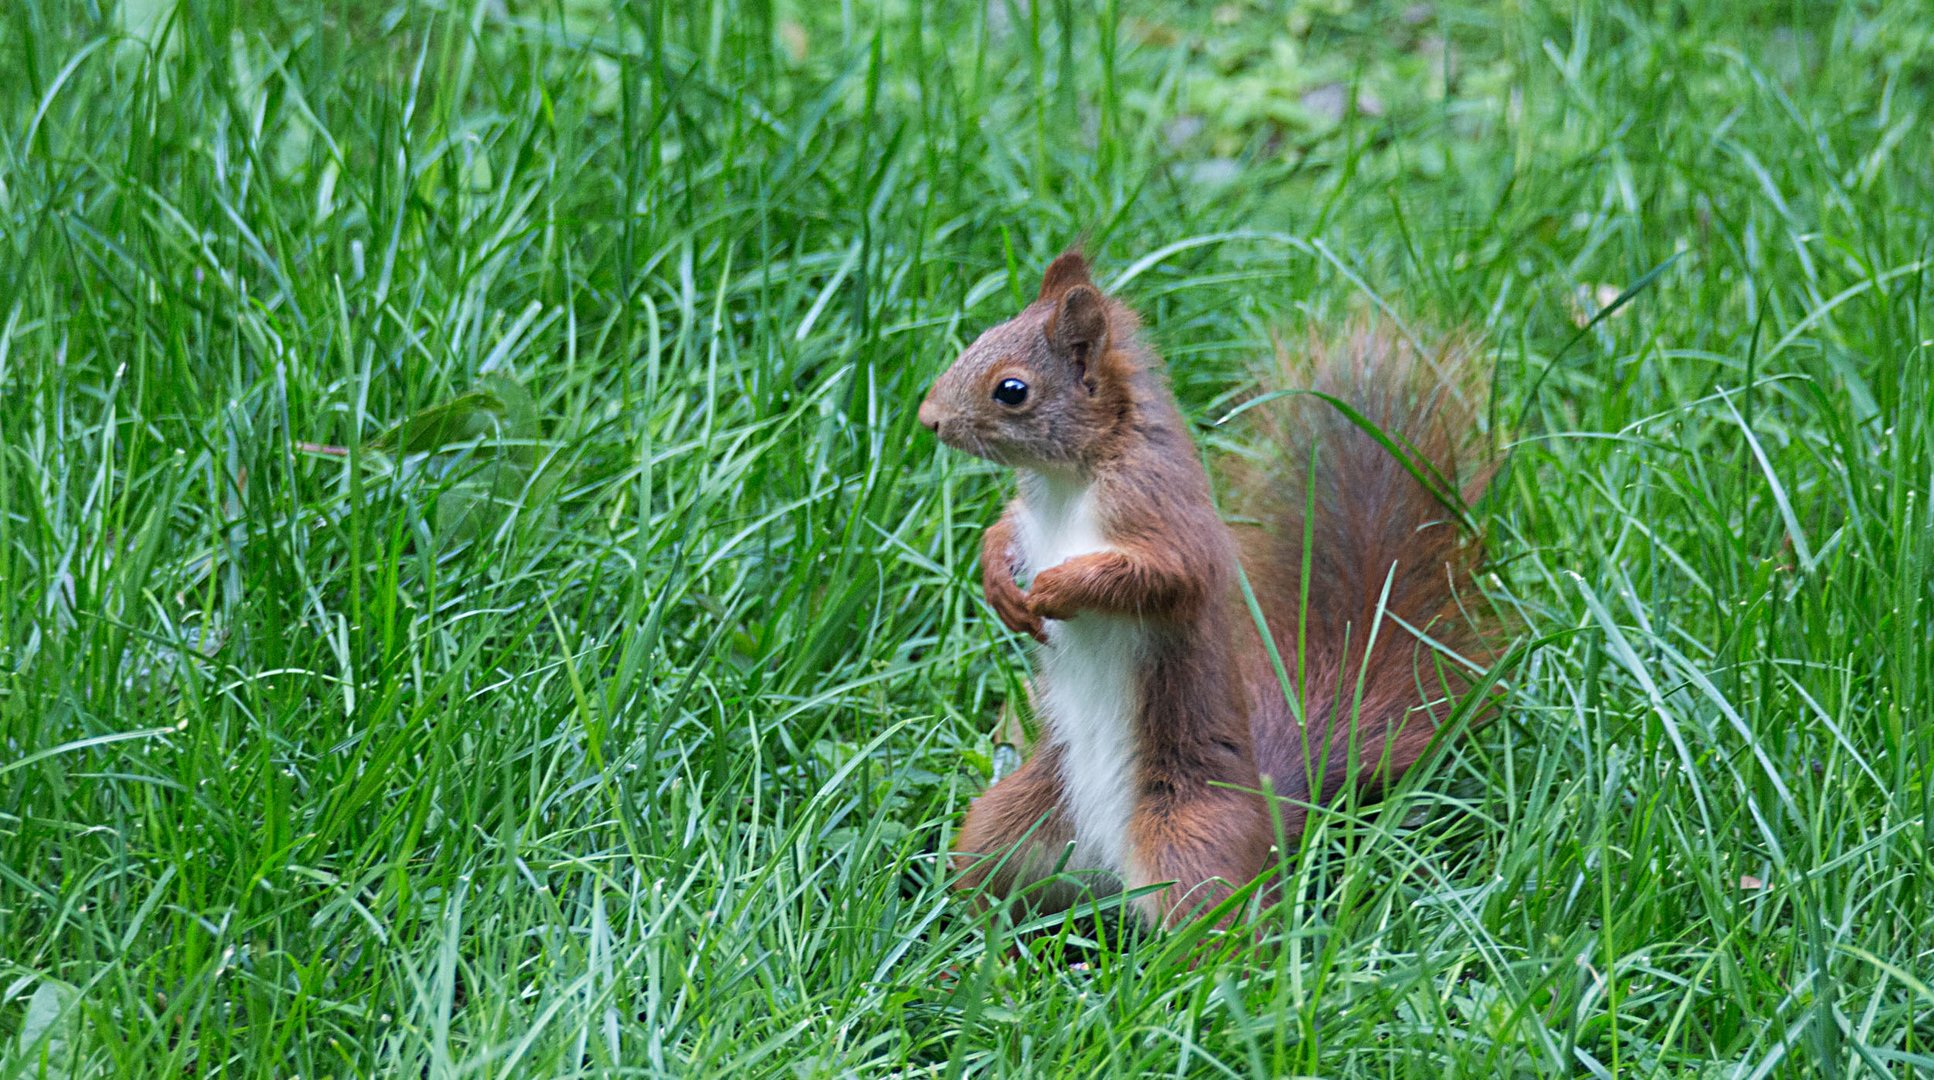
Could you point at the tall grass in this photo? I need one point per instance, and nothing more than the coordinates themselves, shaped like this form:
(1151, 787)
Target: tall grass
(476, 599)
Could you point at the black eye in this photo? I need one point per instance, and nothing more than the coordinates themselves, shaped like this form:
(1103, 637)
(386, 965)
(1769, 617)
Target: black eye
(1010, 392)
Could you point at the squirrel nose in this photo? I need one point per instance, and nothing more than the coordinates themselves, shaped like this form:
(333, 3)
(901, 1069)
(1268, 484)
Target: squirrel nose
(929, 415)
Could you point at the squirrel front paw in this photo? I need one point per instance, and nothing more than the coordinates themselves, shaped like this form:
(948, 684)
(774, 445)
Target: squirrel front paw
(1050, 595)
(1010, 604)
(1016, 617)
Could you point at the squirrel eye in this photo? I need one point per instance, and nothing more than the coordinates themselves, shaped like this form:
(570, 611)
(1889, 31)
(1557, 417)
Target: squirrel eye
(1010, 392)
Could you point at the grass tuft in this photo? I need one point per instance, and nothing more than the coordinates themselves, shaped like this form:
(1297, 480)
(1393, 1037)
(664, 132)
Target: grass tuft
(476, 599)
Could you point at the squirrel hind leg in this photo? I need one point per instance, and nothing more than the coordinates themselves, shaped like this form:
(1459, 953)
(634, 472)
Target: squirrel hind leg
(1204, 847)
(1012, 842)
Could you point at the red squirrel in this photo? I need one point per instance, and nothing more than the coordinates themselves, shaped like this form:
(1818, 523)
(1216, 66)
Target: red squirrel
(1160, 707)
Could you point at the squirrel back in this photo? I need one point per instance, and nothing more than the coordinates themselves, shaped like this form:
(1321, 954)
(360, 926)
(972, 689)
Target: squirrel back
(1389, 557)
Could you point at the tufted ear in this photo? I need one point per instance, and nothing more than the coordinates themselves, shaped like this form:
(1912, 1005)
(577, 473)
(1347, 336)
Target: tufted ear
(1064, 273)
(1079, 328)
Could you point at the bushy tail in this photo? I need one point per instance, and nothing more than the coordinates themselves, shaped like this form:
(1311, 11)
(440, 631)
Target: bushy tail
(1364, 548)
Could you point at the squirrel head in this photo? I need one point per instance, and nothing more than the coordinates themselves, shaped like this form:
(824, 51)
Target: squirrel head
(1044, 389)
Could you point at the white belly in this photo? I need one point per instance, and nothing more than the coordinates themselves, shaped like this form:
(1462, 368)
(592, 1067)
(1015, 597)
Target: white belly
(1089, 697)
(1087, 690)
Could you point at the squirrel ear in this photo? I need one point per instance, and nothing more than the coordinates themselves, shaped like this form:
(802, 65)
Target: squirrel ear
(1065, 272)
(1080, 327)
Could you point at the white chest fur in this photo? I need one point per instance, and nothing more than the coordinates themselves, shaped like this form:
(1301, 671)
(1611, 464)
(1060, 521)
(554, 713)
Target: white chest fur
(1087, 687)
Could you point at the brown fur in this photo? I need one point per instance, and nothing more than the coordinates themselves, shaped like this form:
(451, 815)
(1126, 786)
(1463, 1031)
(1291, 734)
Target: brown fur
(1373, 522)
(1017, 824)
(1210, 710)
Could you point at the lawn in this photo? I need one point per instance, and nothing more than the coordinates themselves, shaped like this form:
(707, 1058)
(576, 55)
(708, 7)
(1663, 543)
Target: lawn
(475, 599)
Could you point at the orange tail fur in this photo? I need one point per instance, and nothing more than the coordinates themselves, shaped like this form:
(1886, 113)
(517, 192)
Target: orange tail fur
(1382, 522)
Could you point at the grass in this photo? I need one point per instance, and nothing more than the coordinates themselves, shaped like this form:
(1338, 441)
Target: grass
(608, 716)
